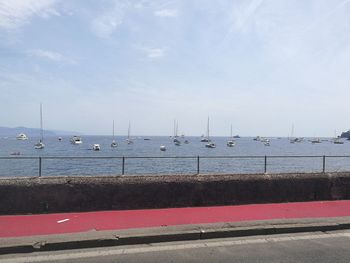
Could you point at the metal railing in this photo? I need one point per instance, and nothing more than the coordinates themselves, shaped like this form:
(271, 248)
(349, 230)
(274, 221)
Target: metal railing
(197, 159)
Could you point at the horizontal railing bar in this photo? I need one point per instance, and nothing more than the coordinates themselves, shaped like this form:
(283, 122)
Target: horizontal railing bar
(338, 156)
(160, 157)
(19, 157)
(233, 157)
(295, 156)
(174, 157)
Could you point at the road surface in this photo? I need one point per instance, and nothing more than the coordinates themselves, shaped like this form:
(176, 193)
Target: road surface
(305, 247)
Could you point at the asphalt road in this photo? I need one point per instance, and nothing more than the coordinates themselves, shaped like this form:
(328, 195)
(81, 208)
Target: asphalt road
(306, 247)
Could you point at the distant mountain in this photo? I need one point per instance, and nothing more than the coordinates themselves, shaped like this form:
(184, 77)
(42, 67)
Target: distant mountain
(6, 131)
(345, 134)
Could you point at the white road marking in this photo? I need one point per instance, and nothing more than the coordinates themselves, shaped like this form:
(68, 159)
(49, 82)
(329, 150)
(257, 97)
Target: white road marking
(63, 220)
(159, 248)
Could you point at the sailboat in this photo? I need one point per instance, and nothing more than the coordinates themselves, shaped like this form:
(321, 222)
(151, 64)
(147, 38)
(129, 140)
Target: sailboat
(114, 143)
(40, 144)
(231, 142)
(176, 140)
(292, 139)
(210, 144)
(206, 138)
(128, 140)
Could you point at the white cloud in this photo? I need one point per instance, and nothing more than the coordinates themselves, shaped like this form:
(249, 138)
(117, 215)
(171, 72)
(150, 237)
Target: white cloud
(153, 53)
(16, 13)
(105, 24)
(50, 55)
(166, 13)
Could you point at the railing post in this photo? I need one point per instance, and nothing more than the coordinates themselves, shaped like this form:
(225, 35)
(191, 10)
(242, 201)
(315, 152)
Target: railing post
(39, 166)
(123, 165)
(197, 164)
(265, 164)
(324, 164)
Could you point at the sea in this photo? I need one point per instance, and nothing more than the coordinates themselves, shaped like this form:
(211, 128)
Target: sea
(143, 157)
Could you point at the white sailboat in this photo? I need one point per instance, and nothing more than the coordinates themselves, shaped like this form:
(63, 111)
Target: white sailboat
(231, 142)
(114, 143)
(210, 144)
(128, 140)
(176, 140)
(40, 144)
(292, 139)
(206, 138)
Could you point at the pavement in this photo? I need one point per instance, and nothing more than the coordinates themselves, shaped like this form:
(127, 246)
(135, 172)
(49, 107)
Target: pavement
(320, 247)
(28, 233)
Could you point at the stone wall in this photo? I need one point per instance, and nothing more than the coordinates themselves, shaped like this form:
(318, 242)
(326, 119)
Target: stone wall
(33, 195)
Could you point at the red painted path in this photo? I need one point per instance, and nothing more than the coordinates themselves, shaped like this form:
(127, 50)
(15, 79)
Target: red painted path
(46, 224)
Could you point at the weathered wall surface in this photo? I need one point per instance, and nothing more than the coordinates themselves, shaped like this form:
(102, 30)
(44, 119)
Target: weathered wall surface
(68, 194)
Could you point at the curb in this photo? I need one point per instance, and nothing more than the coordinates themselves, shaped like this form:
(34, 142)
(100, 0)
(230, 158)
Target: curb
(94, 239)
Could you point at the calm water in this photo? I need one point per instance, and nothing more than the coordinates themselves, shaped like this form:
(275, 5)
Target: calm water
(150, 148)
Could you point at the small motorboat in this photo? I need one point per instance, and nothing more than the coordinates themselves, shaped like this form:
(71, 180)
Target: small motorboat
(21, 137)
(230, 143)
(96, 147)
(59, 138)
(76, 140)
(186, 142)
(177, 143)
(210, 145)
(162, 148)
(338, 141)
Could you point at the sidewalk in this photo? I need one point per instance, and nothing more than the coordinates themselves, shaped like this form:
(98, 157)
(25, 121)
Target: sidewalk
(48, 224)
(68, 230)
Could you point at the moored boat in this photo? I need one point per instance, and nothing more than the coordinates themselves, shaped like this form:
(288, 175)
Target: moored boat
(21, 137)
(76, 140)
(96, 147)
(40, 144)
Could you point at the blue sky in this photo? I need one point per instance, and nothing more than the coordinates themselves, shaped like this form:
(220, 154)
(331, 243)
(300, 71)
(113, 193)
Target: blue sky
(260, 65)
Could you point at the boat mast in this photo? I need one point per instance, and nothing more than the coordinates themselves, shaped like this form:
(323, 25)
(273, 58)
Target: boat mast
(113, 130)
(41, 123)
(129, 131)
(208, 128)
(231, 131)
(176, 130)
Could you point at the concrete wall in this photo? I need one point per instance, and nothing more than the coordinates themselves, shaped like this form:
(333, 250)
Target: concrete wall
(67, 194)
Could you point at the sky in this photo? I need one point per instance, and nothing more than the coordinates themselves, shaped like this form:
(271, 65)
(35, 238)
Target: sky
(260, 65)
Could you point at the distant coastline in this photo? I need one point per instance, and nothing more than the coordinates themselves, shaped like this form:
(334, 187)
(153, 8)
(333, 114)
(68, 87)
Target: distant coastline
(345, 134)
(8, 131)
